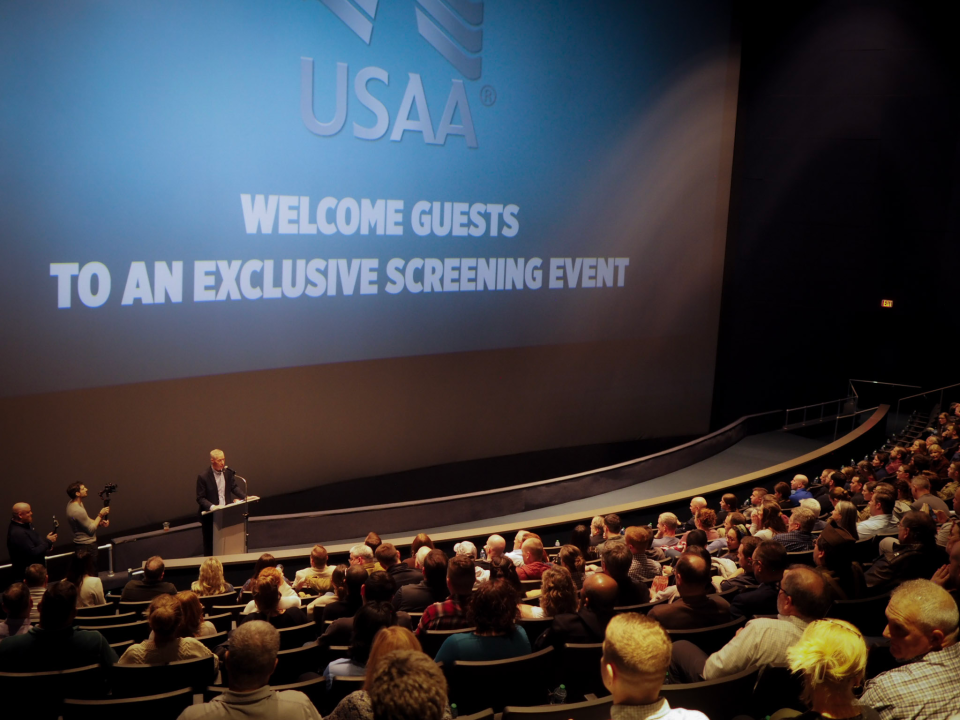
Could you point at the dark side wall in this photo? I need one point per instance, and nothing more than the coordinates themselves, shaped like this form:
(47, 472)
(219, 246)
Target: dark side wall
(845, 192)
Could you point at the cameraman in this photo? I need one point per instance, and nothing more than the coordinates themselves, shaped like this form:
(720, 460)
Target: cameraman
(84, 528)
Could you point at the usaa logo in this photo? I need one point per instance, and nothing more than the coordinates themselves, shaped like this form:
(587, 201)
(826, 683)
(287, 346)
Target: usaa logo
(453, 28)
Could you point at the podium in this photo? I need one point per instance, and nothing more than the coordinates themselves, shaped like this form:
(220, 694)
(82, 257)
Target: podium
(230, 527)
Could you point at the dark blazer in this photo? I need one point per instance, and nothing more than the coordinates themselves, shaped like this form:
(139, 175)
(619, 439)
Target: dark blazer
(762, 600)
(403, 574)
(143, 590)
(417, 598)
(746, 581)
(207, 494)
(26, 547)
(585, 627)
(632, 592)
(692, 613)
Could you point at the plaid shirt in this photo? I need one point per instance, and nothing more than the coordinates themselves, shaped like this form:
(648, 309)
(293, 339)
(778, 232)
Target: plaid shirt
(795, 541)
(451, 614)
(927, 688)
(643, 568)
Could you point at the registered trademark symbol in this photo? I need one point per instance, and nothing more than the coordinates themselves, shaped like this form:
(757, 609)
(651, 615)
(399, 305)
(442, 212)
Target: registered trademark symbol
(488, 96)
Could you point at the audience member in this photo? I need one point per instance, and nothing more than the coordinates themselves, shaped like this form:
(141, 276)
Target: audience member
(269, 605)
(356, 705)
(803, 596)
(24, 544)
(534, 560)
(165, 617)
(571, 557)
(922, 495)
(922, 627)
(407, 685)
(338, 592)
(494, 550)
(781, 495)
(746, 579)
(799, 488)
(559, 596)
(493, 613)
(316, 577)
(389, 559)
(250, 662)
(596, 531)
(362, 555)
(638, 539)
(904, 495)
(350, 597)
(451, 614)
(755, 500)
(468, 549)
(193, 625)
(769, 562)
(771, 521)
(55, 644)
(82, 572)
(264, 561)
(617, 560)
(373, 541)
(880, 516)
(516, 555)
(832, 658)
(735, 536)
(588, 624)
(666, 531)
(728, 505)
(814, 506)
(799, 535)
(636, 655)
(611, 533)
(432, 589)
(420, 541)
(35, 576)
(696, 505)
(845, 517)
(948, 576)
(211, 580)
(152, 584)
(288, 596)
(915, 556)
(580, 539)
(16, 603)
(695, 608)
(835, 553)
(366, 623)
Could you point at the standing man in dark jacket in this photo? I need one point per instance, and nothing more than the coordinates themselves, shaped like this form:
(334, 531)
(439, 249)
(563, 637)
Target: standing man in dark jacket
(24, 544)
(215, 489)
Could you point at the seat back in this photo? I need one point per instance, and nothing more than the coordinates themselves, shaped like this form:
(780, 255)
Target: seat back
(108, 608)
(707, 696)
(534, 627)
(223, 622)
(596, 709)
(211, 642)
(293, 663)
(777, 688)
(234, 610)
(208, 601)
(164, 706)
(498, 678)
(710, 639)
(137, 607)
(139, 680)
(136, 631)
(866, 614)
(433, 639)
(578, 668)
(342, 686)
(101, 620)
(296, 636)
(804, 557)
(642, 608)
(865, 550)
(315, 689)
(47, 690)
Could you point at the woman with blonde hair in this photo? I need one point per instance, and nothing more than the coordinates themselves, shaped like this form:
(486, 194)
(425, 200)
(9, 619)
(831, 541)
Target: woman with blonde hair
(193, 624)
(165, 616)
(845, 517)
(211, 581)
(832, 656)
(356, 705)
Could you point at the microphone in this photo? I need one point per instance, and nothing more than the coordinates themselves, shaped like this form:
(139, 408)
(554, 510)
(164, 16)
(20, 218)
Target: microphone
(235, 473)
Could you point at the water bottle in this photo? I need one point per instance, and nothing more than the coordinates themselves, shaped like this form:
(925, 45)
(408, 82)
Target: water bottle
(559, 696)
(453, 710)
(483, 553)
(557, 544)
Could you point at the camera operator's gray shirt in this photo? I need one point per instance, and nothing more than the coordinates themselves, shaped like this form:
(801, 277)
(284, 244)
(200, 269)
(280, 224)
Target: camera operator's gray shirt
(84, 528)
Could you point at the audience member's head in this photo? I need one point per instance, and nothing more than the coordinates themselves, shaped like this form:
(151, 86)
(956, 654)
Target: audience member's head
(354, 580)
(881, 504)
(421, 540)
(832, 658)
(638, 538)
(372, 541)
(799, 482)
(164, 616)
(696, 505)
(667, 524)
(266, 591)
(559, 594)
(504, 569)
(387, 555)
(748, 545)
(35, 575)
(58, 605)
(599, 593)
(191, 611)
(803, 520)
(782, 491)
(580, 538)
(769, 561)
(918, 528)
(494, 608)
(211, 581)
(319, 557)
(693, 575)
(153, 569)
(368, 620)
(921, 617)
(408, 685)
(16, 601)
(461, 575)
(617, 560)
(361, 555)
(636, 655)
(729, 502)
(252, 656)
(388, 640)
(495, 547)
(697, 537)
(706, 519)
(532, 550)
(812, 505)
(596, 525)
(379, 587)
(465, 547)
(338, 578)
(845, 515)
(435, 570)
(611, 525)
(264, 561)
(571, 557)
(421, 557)
(804, 593)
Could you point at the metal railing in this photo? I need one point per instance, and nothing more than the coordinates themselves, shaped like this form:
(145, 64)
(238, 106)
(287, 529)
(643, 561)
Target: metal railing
(839, 403)
(927, 393)
(108, 547)
(853, 424)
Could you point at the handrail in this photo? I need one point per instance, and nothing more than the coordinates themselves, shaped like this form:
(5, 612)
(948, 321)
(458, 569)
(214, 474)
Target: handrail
(825, 402)
(880, 382)
(927, 392)
(836, 422)
(108, 547)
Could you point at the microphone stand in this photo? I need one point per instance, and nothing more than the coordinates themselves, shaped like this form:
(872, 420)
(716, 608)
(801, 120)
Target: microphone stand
(246, 510)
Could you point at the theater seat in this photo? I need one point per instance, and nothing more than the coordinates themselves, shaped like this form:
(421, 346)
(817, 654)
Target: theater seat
(710, 639)
(165, 706)
(136, 631)
(139, 680)
(578, 668)
(598, 709)
(108, 608)
(721, 699)
(867, 614)
(500, 681)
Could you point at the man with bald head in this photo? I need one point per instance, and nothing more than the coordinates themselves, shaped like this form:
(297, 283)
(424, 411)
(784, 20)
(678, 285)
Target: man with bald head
(494, 550)
(534, 560)
(597, 599)
(695, 608)
(517, 553)
(696, 505)
(24, 544)
(804, 596)
(922, 624)
(798, 487)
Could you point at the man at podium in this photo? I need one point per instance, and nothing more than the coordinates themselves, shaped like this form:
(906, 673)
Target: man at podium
(215, 488)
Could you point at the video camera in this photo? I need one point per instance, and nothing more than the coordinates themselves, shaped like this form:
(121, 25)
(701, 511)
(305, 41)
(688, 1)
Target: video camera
(105, 493)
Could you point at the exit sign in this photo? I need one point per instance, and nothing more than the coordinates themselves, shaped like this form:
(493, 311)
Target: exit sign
(886, 303)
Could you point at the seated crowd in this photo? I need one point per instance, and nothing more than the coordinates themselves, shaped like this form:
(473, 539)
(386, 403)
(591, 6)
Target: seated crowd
(774, 565)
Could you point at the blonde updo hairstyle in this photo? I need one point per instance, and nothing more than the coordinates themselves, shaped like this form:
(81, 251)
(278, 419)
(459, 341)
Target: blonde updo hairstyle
(832, 654)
